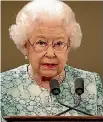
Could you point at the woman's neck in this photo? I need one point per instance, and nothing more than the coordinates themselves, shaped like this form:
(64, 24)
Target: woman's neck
(44, 81)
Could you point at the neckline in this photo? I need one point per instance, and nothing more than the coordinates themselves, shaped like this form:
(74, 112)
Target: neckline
(42, 88)
(33, 81)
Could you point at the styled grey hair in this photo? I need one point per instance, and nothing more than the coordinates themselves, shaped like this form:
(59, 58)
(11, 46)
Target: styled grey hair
(30, 15)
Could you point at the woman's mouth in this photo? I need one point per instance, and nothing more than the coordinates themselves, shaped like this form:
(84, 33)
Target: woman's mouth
(49, 65)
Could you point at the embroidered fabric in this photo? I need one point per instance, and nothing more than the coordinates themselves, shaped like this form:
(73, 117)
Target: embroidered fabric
(20, 95)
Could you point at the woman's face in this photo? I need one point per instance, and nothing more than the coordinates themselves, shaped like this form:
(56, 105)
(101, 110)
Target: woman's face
(47, 62)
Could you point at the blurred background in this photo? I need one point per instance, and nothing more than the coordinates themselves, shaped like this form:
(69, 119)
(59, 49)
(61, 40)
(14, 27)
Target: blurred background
(90, 54)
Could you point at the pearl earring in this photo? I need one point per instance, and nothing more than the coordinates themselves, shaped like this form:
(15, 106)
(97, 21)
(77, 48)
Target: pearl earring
(26, 57)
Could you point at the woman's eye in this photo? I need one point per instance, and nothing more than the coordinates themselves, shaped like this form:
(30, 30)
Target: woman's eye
(59, 43)
(42, 43)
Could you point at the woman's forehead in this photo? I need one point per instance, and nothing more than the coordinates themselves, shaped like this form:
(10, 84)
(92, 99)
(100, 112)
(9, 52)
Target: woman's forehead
(44, 30)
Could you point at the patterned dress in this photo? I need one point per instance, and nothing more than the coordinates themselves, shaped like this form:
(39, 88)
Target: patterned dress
(20, 95)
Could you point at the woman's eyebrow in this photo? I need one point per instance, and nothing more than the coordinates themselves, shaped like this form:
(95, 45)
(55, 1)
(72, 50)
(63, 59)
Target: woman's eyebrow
(44, 37)
(40, 36)
(60, 37)
(37, 36)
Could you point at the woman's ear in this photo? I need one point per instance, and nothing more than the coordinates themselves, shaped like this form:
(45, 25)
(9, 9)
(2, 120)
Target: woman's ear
(26, 49)
(26, 45)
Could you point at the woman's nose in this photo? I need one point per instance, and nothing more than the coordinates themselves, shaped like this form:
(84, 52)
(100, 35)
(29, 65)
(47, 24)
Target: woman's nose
(50, 51)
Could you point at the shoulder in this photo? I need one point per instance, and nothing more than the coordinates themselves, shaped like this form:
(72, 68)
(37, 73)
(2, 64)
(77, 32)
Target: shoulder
(12, 81)
(76, 72)
(91, 79)
(13, 77)
(14, 72)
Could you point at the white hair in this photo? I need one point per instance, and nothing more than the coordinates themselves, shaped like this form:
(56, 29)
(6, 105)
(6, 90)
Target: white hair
(30, 14)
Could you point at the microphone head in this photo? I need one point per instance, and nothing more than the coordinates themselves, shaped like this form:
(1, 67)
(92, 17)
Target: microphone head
(79, 86)
(54, 87)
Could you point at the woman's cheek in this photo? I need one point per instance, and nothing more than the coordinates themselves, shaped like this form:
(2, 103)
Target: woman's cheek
(63, 58)
(34, 61)
(62, 63)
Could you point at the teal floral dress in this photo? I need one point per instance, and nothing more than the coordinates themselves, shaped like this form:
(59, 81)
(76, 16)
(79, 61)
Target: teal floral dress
(20, 95)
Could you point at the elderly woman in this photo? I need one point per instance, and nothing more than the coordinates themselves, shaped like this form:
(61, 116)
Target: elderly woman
(45, 32)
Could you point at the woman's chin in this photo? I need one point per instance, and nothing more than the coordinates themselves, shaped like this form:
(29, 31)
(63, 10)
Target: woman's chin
(48, 73)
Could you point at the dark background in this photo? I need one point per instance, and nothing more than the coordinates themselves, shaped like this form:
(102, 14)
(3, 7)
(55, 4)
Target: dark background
(90, 54)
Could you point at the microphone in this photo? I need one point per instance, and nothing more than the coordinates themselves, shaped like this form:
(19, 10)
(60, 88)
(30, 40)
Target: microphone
(79, 86)
(79, 89)
(54, 87)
